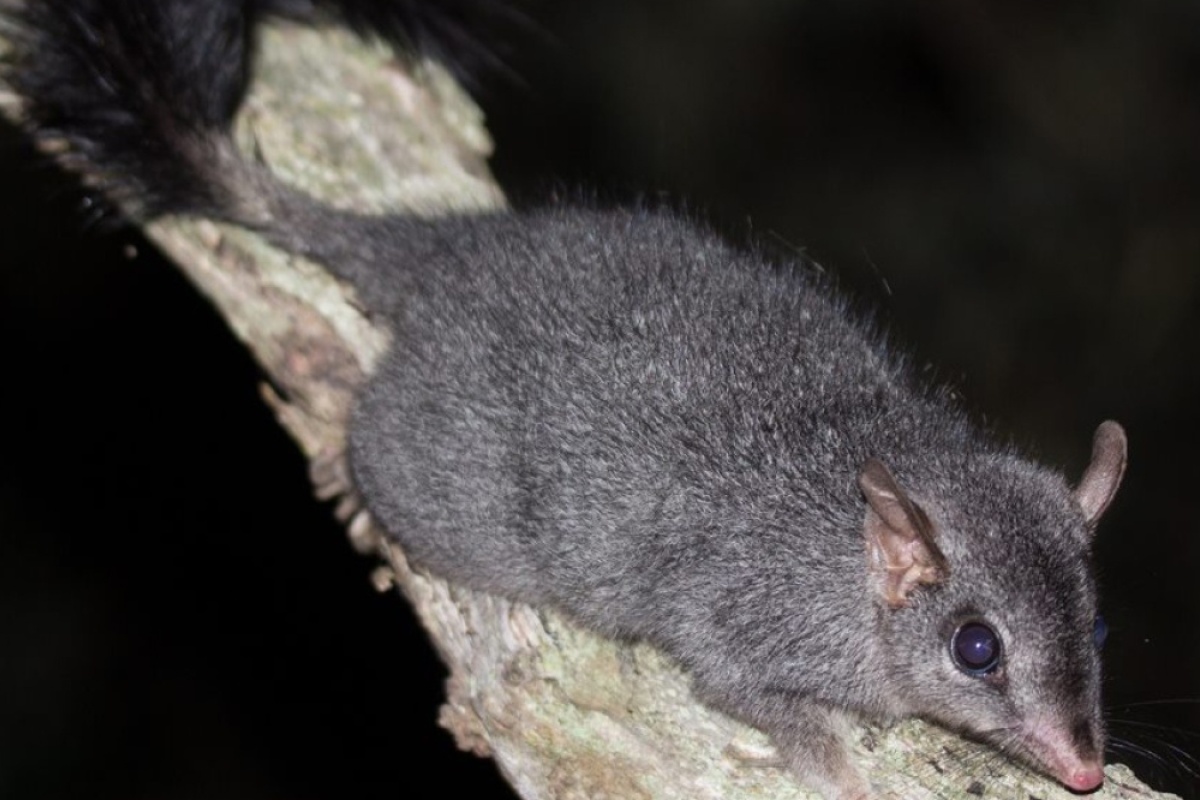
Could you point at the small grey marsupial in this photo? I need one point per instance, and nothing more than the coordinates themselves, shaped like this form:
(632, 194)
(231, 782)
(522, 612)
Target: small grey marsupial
(617, 414)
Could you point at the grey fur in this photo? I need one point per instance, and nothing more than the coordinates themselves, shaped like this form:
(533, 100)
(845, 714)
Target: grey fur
(617, 414)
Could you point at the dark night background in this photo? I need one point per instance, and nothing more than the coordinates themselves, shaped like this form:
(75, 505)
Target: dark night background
(1015, 184)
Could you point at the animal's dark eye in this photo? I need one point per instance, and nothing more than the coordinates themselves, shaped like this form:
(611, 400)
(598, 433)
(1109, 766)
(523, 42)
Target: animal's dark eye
(1100, 631)
(976, 649)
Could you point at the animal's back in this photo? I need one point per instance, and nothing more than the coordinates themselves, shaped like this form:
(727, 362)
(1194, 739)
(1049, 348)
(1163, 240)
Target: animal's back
(570, 403)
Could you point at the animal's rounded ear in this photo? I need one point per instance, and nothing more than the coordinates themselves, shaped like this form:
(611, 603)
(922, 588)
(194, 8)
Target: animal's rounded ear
(901, 544)
(1100, 480)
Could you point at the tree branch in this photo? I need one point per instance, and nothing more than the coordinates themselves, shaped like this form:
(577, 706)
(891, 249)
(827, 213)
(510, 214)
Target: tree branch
(565, 713)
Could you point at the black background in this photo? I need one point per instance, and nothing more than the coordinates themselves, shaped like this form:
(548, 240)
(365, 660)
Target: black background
(1015, 185)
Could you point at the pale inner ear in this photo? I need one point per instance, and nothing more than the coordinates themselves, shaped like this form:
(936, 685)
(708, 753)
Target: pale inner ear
(1100, 480)
(901, 546)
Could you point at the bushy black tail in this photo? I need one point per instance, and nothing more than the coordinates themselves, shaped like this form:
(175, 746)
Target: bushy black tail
(138, 96)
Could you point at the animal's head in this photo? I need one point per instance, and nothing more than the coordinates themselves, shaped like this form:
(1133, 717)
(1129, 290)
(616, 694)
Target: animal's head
(987, 601)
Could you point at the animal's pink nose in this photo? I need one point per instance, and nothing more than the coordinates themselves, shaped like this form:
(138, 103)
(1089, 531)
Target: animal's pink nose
(1085, 779)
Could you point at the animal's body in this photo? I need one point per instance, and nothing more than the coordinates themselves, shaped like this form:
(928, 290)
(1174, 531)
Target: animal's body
(618, 414)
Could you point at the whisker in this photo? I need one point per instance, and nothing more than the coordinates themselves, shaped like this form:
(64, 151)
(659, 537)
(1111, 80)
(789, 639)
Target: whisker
(1135, 723)
(1182, 701)
(1171, 766)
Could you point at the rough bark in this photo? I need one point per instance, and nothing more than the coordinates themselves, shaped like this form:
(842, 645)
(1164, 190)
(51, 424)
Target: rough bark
(565, 713)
